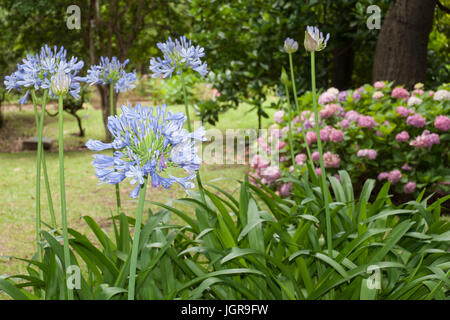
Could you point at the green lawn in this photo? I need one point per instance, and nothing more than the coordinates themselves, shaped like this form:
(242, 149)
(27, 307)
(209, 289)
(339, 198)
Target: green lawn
(84, 195)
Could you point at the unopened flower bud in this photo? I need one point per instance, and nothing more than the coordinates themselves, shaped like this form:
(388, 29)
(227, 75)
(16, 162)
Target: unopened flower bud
(60, 83)
(314, 39)
(290, 45)
(284, 76)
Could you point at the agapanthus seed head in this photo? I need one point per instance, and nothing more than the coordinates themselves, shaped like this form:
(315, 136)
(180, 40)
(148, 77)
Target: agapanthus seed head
(290, 45)
(314, 39)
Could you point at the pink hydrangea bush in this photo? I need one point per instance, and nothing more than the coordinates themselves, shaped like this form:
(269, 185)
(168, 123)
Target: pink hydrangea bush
(382, 132)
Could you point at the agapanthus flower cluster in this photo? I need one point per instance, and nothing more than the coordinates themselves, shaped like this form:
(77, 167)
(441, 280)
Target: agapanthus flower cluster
(112, 71)
(425, 140)
(145, 145)
(36, 72)
(178, 56)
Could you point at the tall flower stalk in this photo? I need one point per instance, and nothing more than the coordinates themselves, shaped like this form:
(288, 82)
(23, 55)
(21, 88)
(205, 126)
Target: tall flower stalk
(314, 41)
(146, 145)
(290, 47)
(179, 56)
(61, 82)
(112, 72)
(113, 113)
(41, 162)
(36, 73)
(285, 81)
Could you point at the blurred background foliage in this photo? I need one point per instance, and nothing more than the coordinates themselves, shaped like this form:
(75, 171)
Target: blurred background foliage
(243, 41)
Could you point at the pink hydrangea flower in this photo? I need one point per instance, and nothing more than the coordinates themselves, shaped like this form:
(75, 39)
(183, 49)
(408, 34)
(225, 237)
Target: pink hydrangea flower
(342, 96)
(394, 176)
(406, 167)
(379, 85)
(315, 156)
(336, 135)
(318, 171)
(311, 137)
(441, 95)
(404, 112)
(330, 110)
(282, 159)
(258, 162)
(331, 160)
(416, 121)
(285, 189)
(327, 97)
(300, 159)
(413, 101)
(367, 153)
(442, 123)
(271, 173)
(402, 136)
(418, 92)
(400, 93)
(296, 119)
(377, 95)
(425, 140)
(278, 116)
(383, 176)
(410, 187)
(325, 133)
(345, 123)
(352, 115)
(366, 122)
(356, 95)
(281, 145)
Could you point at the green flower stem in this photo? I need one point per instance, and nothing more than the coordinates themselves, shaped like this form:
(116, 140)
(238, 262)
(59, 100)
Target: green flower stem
(308, 151)
(291, 145)
(63, 190)
(322, 166)
(186, 106)
(137, 234)
(38, 186)
(111, 103)
(39, 128)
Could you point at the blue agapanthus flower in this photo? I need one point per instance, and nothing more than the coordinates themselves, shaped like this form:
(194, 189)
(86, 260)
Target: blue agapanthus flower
(112, 71)
(178, 56)
(36, 72)
(146, 145)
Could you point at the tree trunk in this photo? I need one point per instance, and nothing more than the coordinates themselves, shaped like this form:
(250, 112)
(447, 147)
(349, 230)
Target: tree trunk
(401, 52)
(343, 67)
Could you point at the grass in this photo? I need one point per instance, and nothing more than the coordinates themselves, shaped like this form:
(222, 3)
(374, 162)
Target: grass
(84, 195)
